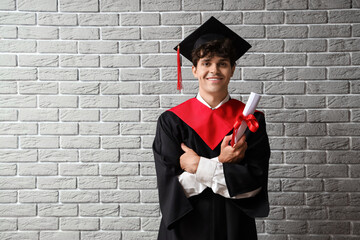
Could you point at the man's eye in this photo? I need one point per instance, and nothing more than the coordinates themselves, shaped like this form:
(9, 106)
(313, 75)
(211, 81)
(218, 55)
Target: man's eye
(206, 64)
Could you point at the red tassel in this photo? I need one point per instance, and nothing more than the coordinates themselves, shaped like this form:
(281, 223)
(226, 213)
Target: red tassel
(179, 78)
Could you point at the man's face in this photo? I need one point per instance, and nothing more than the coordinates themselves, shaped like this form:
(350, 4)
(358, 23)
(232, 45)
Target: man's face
(214, 74)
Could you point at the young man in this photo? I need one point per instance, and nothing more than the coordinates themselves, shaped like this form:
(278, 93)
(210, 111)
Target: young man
(208, 189)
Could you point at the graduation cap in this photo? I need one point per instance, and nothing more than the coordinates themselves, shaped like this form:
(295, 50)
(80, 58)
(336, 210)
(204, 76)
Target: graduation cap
(211, 30)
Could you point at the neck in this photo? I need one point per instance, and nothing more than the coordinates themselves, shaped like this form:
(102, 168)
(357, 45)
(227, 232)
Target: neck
(213, 99)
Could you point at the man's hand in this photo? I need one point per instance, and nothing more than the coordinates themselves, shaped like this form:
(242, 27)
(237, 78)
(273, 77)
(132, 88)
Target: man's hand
(232, 154)
(189, 161)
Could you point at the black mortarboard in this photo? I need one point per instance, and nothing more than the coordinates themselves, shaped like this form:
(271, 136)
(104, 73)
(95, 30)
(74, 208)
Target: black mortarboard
(212, 29)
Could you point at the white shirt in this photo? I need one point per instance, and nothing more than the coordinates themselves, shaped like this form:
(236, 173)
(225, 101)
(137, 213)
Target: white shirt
(209, 173)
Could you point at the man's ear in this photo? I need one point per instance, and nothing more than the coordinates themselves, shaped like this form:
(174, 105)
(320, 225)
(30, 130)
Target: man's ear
(194, 71)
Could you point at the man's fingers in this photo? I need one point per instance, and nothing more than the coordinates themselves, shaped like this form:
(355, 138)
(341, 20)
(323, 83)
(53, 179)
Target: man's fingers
(241, 141)
(184, 147)
(225, 141)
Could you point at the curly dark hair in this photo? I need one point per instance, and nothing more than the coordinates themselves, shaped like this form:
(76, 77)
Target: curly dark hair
(221, 48)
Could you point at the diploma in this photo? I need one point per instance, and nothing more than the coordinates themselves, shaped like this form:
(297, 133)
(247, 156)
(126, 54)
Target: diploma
(241, 125)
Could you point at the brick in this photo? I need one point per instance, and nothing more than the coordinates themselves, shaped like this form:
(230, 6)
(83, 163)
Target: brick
(266, 46)
(79, 142)
(343, 129)
(327, 87)
(140, 47)
(355, 115)
(96, 210)
(326, 171)
(15, 18)
(288, 199)
(79, 6)
(122, 169)
(123, 88)
(7, 169)
(160, 5)
(136, 210)
(226, 17)
(355, 29)
(287, 143)
(323, 199)
(18, 155)
(8, 87)
(305, 45)
(17, 183)
(343, 157)
(45, 235)
(38, 33)
(172, 101)
(82, 169)
(8, 60)
(56, 182)
(262, 73)
(79, 33)
(244, 5)
(99, 155)
(98, 47)
(149, 196)
(37, 224)
(58, 74)
(8, 115)
(130, 155)
(57, 47)
(99, 101)
(298, 227)
(300, 185)
(51, 19)
(250, 60)
(305, 129)
(58, 155)
(208, 5)
(19, 235)
(275, 129)
(38, 88)
(119, 6)
(116, 61)
(328, 115)
(99, 74)
(137, 182)
(305, 73)
(285, 5)
(319, 31)
(304, 101)
(131, 235)
(286, 171)
(18, 74)
(327, 227)
(249, 31)
(139, 101)
(58, 101)
(99, 128)
(28, 196)
(120, 142)
(323, 4)
(182, 18)
(344, 45)
(343, 213)
(79, 61)
(18, 128)
(97, 182)
(327, 143)
(58, 128)
(309, 17)
(119, 196)
(79, 88)
(39, 142)
(282, 115)
(306, 213)
(131, 224)
(342, 101)
(8, 5)
(12, 210)
(284, 88)
(263, 17)
(8, 32)
(37, 169)
(329, 59)
(157, 33)
(96, 19)
(159, 61)
(79, 224)
(159, 88)
(8, 224)
(78, 196)
(8, 142)
(287, 31)
(79, 115)
(108, 115)
(120, 33)
(347, 16)
(101, 235)
(36, 5)
(139, 19)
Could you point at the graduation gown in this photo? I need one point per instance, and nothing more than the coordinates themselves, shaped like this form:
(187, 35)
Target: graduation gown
(209, 216)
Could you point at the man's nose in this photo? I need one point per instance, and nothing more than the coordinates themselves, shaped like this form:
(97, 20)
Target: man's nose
(214, 68)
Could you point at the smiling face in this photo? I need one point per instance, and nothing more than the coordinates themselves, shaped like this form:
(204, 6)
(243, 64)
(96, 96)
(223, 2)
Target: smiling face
(214, 74)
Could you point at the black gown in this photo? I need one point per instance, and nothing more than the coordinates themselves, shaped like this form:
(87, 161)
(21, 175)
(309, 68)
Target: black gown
(209, 216)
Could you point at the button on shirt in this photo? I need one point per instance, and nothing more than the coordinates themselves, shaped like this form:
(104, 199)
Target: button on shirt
(209, 173)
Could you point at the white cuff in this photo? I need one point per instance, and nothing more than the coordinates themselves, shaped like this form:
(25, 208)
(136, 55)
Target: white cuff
(206, 170)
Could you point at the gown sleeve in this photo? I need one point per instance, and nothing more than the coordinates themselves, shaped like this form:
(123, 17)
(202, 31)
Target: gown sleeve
(167, 151)
(252, 172)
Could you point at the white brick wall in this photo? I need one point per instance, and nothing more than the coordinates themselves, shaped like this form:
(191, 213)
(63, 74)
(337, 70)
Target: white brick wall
(82, 83)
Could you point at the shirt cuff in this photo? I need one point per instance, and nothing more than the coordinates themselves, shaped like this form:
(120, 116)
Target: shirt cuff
(206, 170)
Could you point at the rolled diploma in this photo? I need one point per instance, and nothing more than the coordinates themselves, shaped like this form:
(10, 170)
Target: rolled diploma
(249, 109)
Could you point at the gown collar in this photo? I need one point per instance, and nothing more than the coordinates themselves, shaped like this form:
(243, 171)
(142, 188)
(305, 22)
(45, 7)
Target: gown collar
(198, 97)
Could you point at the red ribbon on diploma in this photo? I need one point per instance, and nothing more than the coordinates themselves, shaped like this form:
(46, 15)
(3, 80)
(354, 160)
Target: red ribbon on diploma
(251, 122)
